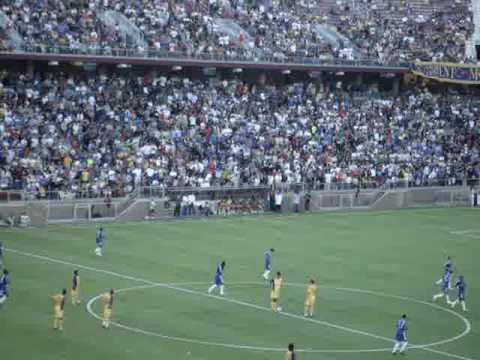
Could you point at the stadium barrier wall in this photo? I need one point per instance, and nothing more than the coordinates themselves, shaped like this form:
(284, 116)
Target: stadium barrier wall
(135, 209)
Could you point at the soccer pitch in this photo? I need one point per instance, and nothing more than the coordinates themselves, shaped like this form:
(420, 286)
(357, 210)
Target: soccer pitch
(371, 267)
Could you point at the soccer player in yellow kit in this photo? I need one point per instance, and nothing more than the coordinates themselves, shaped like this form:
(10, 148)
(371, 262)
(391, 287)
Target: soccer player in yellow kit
(310, 299)
(107, 308)
(75, 288)
(58, 312)
(276, 286)
(290, 354)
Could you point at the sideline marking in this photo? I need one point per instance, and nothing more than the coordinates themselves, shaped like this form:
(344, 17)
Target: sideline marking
(188, 291)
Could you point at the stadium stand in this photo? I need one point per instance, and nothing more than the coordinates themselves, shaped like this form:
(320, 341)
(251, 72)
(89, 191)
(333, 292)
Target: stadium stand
(92, 133)
(387, 31)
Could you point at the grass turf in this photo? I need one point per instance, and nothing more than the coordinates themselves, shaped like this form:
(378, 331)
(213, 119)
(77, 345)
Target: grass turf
(399, 253)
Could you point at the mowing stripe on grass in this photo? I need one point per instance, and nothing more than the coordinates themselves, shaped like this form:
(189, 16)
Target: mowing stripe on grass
(193, 292)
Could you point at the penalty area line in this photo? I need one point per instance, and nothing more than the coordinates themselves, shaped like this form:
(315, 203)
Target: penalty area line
(238, 302)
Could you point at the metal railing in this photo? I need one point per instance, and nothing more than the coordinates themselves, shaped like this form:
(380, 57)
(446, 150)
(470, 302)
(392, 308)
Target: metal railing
(163, 192)
(153, 53)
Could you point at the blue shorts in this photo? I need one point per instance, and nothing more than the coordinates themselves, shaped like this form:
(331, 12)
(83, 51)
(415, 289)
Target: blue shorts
(400, 337)
(218, 280)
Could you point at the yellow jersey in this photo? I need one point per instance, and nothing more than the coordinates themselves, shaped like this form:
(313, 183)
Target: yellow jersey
(107, 301)
(58, 302)
(76, 283)
(311, 294)
(276, 284)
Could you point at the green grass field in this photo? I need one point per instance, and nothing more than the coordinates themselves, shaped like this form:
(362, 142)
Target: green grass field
(371, 268)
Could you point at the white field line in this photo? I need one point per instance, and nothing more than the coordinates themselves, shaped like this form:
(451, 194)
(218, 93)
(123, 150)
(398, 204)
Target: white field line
(193, 292)
(467, 231)
(286, 216)
(209, 343)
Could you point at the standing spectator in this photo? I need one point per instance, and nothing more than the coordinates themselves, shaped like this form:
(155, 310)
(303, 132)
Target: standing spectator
(178, 207)
(296, 201)
(308, 197)
(152, 206)
(278, 201)
(272, 201)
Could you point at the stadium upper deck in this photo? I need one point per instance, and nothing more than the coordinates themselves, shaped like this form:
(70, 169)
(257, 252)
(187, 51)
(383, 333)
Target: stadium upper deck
(389, 32)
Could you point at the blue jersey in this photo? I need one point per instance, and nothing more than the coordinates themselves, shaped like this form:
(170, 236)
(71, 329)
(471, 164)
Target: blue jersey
(446, 281)
(4, 285)
(100, 238)
(219, 275)
(461, 285)
(401, 334)
(268, 260)
(449, 265)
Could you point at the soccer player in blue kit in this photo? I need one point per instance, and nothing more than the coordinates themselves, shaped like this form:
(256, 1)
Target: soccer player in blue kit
(401, 336)
(460, 285)
(267, 263)
(100, 241)
(448, 267)
(445, 288)
(4, 281)
(218, 281)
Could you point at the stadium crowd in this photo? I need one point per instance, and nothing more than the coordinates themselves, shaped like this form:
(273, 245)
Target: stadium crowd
(391, 34)
(104, 133)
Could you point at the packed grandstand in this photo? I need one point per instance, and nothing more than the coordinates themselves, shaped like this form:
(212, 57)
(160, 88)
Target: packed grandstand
(96, 132)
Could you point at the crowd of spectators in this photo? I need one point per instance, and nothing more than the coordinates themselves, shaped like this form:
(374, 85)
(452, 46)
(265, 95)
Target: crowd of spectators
(398, 33)
(391, 33)
(112, 133)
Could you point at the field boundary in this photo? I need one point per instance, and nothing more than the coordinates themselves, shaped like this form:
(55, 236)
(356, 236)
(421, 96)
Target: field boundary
(180, 289)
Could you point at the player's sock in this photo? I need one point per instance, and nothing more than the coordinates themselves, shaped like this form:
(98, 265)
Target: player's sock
(266, 274)
(404, 347)
(447, 298)
(222, 290)
(454, 303)
(395, 348)
(55, 324)
(212, 288)
(464, 306)
(438, 296)
(438, 282)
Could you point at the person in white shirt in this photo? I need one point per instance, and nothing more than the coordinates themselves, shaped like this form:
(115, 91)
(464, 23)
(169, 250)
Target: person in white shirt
(278, 201)
(296, 201)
